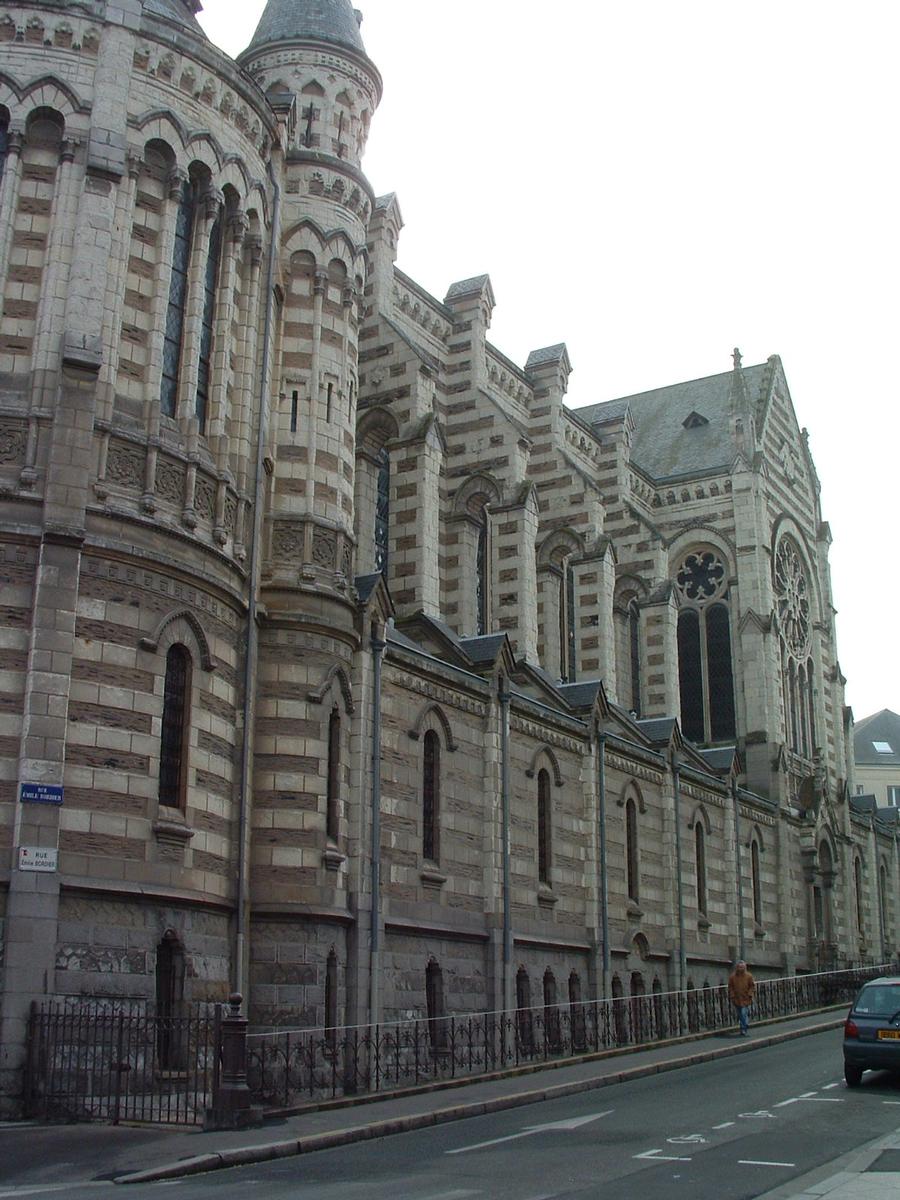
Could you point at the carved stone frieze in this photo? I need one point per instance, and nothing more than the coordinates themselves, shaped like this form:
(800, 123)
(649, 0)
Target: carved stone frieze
(287, 541)
(627, 766)
(170, 479)
(125, 464)
(13, 439)
(543, 734)
(205, 497)
(324, 548)
(434, 691)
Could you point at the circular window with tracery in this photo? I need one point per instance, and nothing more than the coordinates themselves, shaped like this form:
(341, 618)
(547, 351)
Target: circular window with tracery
(792, 598)
(701, 577)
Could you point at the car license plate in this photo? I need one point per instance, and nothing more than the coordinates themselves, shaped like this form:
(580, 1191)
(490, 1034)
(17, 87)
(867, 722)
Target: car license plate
(888, 1034)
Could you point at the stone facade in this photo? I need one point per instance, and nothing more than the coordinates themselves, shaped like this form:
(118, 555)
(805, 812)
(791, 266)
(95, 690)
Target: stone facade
(357, 655)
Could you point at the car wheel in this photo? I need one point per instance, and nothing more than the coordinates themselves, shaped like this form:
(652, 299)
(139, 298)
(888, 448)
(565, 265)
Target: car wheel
(853, 1075)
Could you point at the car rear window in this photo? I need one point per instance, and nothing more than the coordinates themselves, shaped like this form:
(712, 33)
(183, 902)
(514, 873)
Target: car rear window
(882, 1000)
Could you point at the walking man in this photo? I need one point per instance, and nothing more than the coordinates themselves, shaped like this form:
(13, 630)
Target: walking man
(741, 987)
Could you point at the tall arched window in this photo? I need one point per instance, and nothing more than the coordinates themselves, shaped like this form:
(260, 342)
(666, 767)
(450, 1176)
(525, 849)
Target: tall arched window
(755, 882)
(883, 905)
(431, 768)
(210, 290)
(175, 728)
(544, 827)
(858, 886)
(333, 778)
(632, 862)
(700, 865)
(792, 607)
(176, 308)
(170, 973)
(567, 632)
(382, 510)
(4, 139)
(634, 649)
(705, 672)
(482, 575)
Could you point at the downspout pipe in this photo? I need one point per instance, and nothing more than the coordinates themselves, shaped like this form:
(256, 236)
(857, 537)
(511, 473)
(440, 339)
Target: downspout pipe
(504, 808)
(604, 881)
(742, 952)
(251, 656)
(679, 882)
(377, 646)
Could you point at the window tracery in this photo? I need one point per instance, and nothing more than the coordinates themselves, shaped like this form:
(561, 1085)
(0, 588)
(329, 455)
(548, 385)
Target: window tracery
(792, 608)
(705, 671)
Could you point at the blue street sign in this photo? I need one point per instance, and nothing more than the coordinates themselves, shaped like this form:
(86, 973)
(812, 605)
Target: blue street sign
(40, 793)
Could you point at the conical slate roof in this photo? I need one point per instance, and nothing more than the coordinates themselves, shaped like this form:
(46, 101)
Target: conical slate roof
(179, 11)
(334, 21)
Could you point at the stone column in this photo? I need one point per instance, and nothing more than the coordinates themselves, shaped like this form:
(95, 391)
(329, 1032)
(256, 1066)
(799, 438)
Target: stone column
(9, 195)
(659, 654)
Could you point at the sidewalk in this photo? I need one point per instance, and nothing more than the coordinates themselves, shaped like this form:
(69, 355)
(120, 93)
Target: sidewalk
(142, 1155)
(870, 1172)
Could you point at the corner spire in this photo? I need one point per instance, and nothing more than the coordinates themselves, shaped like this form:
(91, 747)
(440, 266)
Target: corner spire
(332, 21)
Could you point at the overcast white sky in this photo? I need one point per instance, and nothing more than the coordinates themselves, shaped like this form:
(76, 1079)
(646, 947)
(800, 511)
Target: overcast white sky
(654, 183)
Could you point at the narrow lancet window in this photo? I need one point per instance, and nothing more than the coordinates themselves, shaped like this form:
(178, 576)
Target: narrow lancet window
(175, 309)
(544, 819)
(175, 726)
(210, 288)
(333, 796)
(431, 796)
(382, 510)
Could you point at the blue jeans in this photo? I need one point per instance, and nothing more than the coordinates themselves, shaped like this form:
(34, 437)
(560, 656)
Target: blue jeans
(744, 1016)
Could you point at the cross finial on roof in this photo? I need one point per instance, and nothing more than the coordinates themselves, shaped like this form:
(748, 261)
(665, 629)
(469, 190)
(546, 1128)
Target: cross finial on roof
(737, 359)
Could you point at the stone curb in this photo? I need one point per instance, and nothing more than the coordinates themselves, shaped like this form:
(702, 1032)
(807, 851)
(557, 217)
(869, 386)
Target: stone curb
(265, 1152)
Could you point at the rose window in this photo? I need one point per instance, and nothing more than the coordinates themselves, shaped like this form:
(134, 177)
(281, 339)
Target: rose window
(701, 576)
(792, 598)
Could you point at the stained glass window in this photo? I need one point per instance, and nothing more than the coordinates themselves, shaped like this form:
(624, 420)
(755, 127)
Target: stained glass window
(175, 309)
(383, 511)
(176, 702)
(210, 288)
(792, 608)
(705, 672)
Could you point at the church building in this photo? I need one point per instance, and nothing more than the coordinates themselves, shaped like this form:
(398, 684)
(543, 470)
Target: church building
(343, 664)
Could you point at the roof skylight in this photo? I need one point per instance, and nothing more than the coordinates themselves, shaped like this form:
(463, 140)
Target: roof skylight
(883, 747)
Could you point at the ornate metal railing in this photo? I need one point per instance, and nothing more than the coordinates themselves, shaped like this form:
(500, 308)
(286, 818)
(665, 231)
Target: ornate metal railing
(120, 1060)
(290, 1067)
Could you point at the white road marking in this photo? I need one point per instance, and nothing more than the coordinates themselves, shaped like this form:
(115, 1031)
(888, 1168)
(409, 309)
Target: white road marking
(658, 1156)
(806, 1095)
(564, 1126)
(724, 1125)
(784, 1103)
(756, 1162)
(828, 1086)
(762, 1113)
(696, 1139)
(890, 1102)
(826, 1099)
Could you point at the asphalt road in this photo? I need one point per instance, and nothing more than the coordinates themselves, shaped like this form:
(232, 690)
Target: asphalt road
(724, 1130)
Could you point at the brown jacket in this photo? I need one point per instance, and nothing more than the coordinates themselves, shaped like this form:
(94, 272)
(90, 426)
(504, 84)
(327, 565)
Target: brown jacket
(741, 986)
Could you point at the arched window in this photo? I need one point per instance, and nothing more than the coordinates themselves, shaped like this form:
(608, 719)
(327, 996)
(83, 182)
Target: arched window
(434, 1001)
(333, 779)
(634, 647)
(524, 1023)
(210, 290)
(176, 308)
(551, 1013)
(755, 882)
(4, 139)
(175, 728)
(700, 865)
(544, 827)
(792, 607)
(858, 886)
(883, 905)
(482, 576)
(382, 510)
(170, 972)
(705, 673)
(567, 635)
(632, 863)
(431, 768)
(331, 1000)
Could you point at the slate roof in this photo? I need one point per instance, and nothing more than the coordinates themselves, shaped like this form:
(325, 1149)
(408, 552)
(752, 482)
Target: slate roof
(863, 803)
(882, 726)
(657, 729)
(483, 649)
(580, 695)
(662, 447)
(178, 11)
(719, 758)
(333, 21)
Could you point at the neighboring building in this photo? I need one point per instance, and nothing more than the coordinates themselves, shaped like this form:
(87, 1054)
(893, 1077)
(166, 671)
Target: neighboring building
(287, 543)
(876, 753)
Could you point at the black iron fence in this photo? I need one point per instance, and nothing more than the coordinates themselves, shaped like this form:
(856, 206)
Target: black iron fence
(287, 1068)
(115, 1060)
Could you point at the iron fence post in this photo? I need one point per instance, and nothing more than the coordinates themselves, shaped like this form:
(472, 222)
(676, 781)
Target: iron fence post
(233, 1107)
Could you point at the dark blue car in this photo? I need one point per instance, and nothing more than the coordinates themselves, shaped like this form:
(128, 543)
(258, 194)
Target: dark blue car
(872, 1030)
